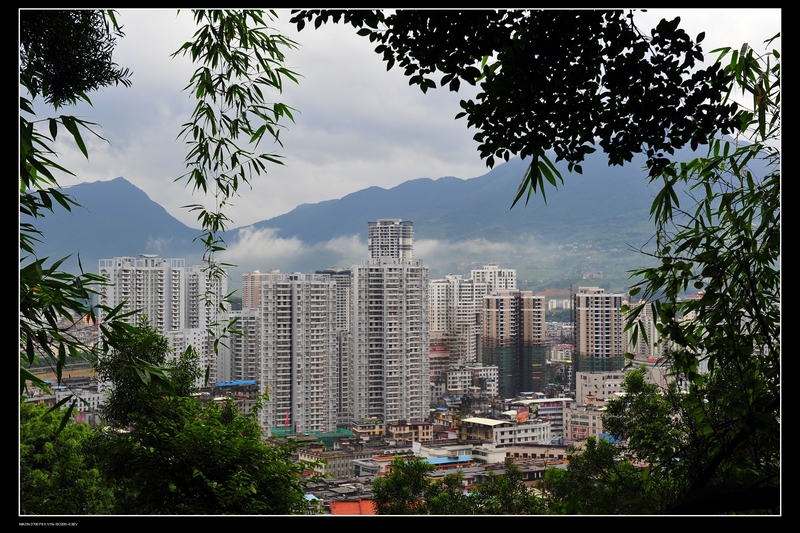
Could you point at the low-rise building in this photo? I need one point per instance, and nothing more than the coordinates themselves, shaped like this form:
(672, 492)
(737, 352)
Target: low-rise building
(583, 422)
(473, 381)
(600, 385)
(506, 432)
(608, 385)
(538, 453)
(367, 428)
(410, 431)
(335, 464)
(549, 410)
(532, 431)
(485, 453)
(373, 466)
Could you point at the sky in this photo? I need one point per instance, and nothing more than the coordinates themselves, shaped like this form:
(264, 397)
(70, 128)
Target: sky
(356, 125)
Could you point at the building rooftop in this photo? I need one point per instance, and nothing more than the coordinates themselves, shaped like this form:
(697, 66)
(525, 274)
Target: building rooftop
(485, 421)
(449, 460)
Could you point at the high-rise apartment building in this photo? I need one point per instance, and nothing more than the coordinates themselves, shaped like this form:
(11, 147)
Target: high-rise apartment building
(455, 309)
(391, 237)
(389, 373)
(598, 331)
(298, 350)
(251, 287)
(598, 323)
(245, 349)
(182, 303)
(649, 344)
(342, 278)
(155, 287)
(513, 339)
(171, 295)
(497, 279)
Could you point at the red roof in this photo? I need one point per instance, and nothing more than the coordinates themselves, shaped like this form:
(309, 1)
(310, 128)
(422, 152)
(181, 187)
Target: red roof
(361, 507)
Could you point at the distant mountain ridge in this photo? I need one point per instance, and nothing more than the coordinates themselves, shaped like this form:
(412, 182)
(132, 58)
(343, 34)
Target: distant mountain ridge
(115, 218)
(455, 209)
(607, 205)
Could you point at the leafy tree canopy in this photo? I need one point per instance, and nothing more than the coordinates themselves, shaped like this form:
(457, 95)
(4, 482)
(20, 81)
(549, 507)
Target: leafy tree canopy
(56, 477)
(64, 54)
(164, 451)
(52, 42)
(725, 343)
(567, 81)
(598, 480)
(170, 454)
(407, 489)
(136, 397)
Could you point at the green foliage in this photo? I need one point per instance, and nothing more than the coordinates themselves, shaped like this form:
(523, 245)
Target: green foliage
(445, 497)
(598, 481)
(169, 454)
(47, 294)
(145, 376)
(565, 81)
(240, 63)
(505, 494)
(200, 460)
(55, 476)
(407, 489)
(560, 81)
(727, 245)
(164, 451)
(643, 418)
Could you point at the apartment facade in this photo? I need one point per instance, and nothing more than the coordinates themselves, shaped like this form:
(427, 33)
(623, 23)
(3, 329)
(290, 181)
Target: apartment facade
(182, 303)
(455, 310)
(498, 279)
(245, 349)
(583, 422)
(342, 277)
(599, 385)
(389, 357)
(391, 237)
(299, 367)
(553, 410)
(598, 330)
(649, 343)
(598, 323)
(154, 286)
(251, 287)
(513, 339)
(476, 380)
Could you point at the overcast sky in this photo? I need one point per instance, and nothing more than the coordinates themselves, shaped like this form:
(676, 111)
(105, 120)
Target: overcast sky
(357, 125)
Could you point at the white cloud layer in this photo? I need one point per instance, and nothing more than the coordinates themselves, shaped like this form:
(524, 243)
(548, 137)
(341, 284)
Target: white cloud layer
(263, 247)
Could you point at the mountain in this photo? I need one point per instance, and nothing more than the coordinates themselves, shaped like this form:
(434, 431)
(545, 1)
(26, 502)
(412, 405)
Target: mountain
(115, 218)
(457, 209)
(587, 227)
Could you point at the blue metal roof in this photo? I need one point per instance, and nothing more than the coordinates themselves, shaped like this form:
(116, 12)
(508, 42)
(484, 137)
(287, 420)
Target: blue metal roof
(448, 460)
(234, 383)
